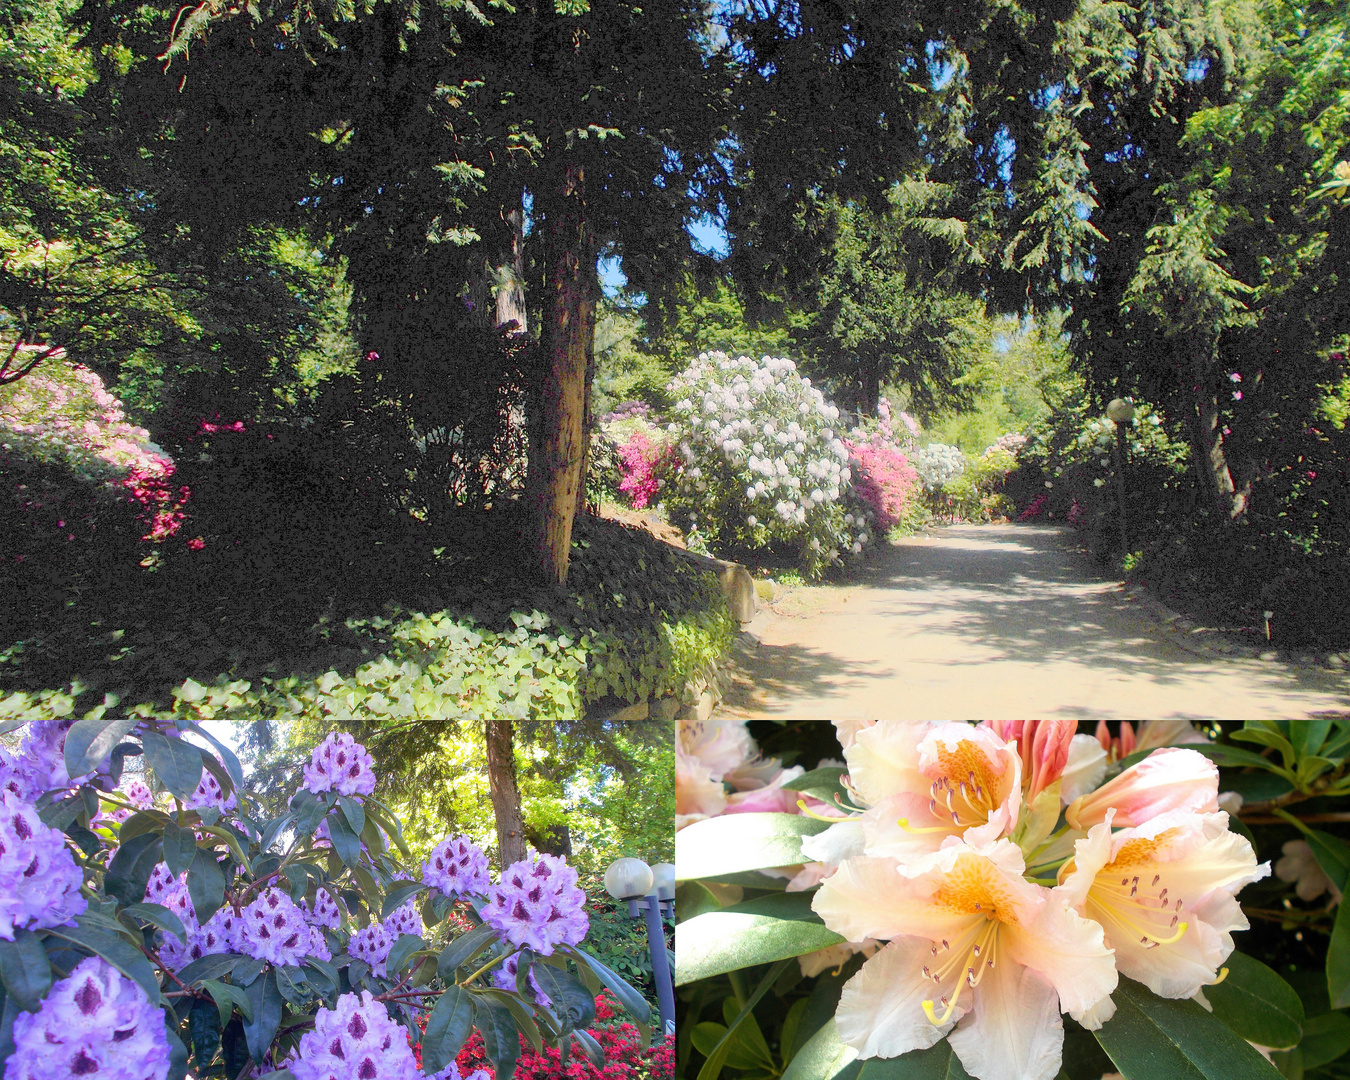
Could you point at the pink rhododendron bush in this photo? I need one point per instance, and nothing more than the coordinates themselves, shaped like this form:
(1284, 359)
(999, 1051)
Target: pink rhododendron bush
(151, 931)
(1013, 900)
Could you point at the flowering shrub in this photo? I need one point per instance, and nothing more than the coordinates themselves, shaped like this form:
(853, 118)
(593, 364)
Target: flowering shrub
(644, 462)
(938, 464)
(251, 944)
(967, 885)
(977, 494)
(884, 479)
(764, 462)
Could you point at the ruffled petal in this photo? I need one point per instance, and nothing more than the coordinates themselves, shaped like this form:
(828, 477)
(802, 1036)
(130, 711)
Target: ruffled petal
(868, 898)
(1015, 1031)
(841, 841)
(1068, 950)
(884, 759)
(881, 1010)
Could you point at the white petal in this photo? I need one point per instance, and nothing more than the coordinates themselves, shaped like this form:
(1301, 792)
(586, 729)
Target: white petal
(881, 1010)
(867, 898)
(884, 759)
(1095, 1017)
(835, 844)
(1068, 950)
(1084, 769)
(1015, 1031)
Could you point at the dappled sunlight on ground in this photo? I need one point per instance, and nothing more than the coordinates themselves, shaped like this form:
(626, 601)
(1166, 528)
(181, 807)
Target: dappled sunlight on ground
(1000, 621)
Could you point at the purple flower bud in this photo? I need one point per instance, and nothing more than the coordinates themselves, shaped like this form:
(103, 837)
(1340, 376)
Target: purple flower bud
(95, 1023)
(340, 764)
(457, 868)
(39, 880)
(355, 1041)
(538, 905)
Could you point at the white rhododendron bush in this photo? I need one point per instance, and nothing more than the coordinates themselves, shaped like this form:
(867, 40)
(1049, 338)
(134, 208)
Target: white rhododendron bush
(1013, 900)
(763, 462)
(152, 930)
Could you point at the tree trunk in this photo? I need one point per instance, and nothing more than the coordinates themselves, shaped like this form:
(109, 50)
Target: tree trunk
(556, 840)
(511, 277)
(587, 421)
(1207, 450)
(501, 763)
(558, 396)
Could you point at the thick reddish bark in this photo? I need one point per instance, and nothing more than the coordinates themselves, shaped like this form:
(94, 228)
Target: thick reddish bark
(501, 763)
(558, 400)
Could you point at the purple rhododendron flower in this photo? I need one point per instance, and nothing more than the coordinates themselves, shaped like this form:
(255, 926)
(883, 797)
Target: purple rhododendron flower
(318, 944)
(98, 1023)
(405, 919)
(39, 880)
(457, 867)
(137, 793)
(219, 935)
(19, 776)
(340, 764)
(451, 1072)
(324, 911)
(538, 905)
(273, 928)
(355, 1041)
(210, 793)
(505, 977)
(372, 945)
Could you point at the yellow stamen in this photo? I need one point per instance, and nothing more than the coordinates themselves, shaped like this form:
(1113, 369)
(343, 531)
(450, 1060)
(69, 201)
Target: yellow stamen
(801, 805)
(1223, 974)
(904, 824)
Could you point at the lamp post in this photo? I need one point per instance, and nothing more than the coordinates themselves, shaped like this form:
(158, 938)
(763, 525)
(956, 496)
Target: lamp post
(1121, 412)
(649, 888)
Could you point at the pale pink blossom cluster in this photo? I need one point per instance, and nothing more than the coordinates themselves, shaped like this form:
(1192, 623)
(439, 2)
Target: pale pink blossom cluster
(948, 860)
(719, 770)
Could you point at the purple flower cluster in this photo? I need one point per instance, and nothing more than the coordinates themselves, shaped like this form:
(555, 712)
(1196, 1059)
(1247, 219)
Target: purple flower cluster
(451, 1072)
(405, 919)
(355, 1041)
(538, 905)
(324, 911)
(457, 868)
(372, 945)
(340, 764)
(137, 793)
(18, 777)
(219, 935)
(209, 793)
(505, 977)
(39, 880)
(96, 1022)
(273, 928)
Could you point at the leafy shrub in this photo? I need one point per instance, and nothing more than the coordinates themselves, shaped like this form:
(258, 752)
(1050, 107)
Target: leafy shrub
(884, 479)
(645, 462)
(218, 935)
(937, 465)
(763, 462)
(977, 494)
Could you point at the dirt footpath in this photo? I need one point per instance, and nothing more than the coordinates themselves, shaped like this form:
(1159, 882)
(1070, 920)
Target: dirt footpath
(979, 622)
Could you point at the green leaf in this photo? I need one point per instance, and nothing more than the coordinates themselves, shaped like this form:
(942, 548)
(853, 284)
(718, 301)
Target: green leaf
(126, 958)
(351, 810)
(823, 1057)
(178, 1053)
(398, 895)
(1325, 1038)
(727, 1048)
(448, 1027)
(1266, 737)
(89, 742)
(401, 952)
(464, 948)
(227, 755)
(1309, 735)
(206, 885)
(571, 1001)
(180, 848)
(291, 983)
(1338, 960)
(204, 1023)
(25, 970)
(501, 1038)
(1332, 853)
(590, 1047)
(211, 966)
(736, 842)
(345, 842)
(1256, 1003)
(633, 1002)
(1153, 1038)
(176, 763)
(824, 784)
(261, 1028)
(130, 868)
(754, 932)
(160, 916)
(226, 998)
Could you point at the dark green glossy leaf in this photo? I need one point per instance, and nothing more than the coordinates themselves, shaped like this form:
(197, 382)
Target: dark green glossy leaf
(397, 896)
(126, 958)
(448, 1027)
(464, 948)
(501, 1038)
(1256, 1003)
(226, 998)
(178, 1051)
(89, 742)
(211, 966)
(590, 1047)
(1325, 1038)
(232, 767)
(824, 784)
(204, 1023)
(1153, 1038)
(1309, 735)
(633, 1002)
(25, 970)
(292, 984)
(572, 1002)
(180, 847)
(160, 916)
(729, 1047)
(825, 1056)
(345, 842)
(736, 842)
(206, 885)
(266, 1001)
(400, 951)
(176, 763)
(1338, 960)
(351, 810)
(757, 931)
(130, 868)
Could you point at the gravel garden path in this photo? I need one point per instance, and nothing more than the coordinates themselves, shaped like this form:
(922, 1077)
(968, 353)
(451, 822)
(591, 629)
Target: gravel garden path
(976, 622)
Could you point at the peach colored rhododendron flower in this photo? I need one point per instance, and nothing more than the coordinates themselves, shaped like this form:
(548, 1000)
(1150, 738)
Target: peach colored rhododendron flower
(1170, 778)
(976, 954)
(1163, 892)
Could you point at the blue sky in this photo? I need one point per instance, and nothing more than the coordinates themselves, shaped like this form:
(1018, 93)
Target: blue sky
(707, 233)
